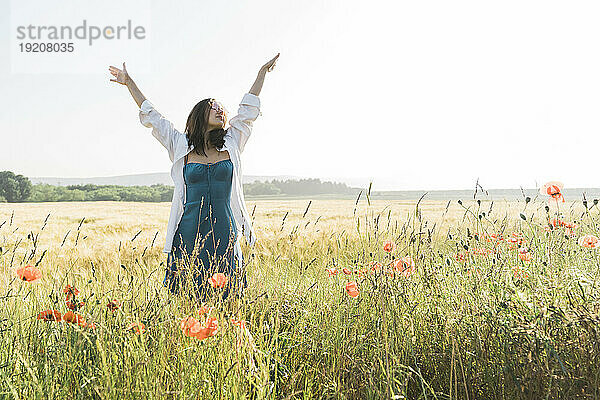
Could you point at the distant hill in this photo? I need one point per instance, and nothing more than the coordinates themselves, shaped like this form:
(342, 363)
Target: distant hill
(493, 194)
(163, 178)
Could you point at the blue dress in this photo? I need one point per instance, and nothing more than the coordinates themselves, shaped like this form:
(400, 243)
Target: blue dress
(207, 223)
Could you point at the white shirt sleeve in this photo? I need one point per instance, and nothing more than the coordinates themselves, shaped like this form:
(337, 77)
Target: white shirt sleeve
(241, 124)
(162, 129)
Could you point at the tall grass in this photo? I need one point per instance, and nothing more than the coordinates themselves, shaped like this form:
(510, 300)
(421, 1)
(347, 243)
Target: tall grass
(484, 325)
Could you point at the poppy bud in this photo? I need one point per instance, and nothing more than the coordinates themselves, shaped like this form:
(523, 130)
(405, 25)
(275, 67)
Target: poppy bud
(595, 202)
(523, 217)
(527, 200)
(460, 202)
(585, 204)
(547, 208)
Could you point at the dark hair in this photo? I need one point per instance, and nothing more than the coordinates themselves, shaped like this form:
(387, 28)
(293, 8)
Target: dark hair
(195, 128)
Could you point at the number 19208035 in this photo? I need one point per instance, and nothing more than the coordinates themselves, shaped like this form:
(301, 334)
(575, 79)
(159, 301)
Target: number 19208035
(46, 47)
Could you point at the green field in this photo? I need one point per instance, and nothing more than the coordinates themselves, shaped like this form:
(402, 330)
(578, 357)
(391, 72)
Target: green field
(475, 319)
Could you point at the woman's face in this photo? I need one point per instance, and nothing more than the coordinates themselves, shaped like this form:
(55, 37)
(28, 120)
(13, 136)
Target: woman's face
(217, 115)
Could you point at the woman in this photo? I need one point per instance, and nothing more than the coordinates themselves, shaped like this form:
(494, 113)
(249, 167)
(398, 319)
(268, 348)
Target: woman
(208, 211)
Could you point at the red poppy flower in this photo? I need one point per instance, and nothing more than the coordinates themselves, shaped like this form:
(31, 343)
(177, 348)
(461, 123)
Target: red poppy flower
(29, 273)
(497, 237)
(331, 271)
(137, 327)
(398, 265)
(481, 251)
(91, 325)
(209, 329)
(113, 305)
(352, 289)
(525, 256)
(375, 265)
(553, 189)
(389, 246)
(81, 322)
(71, 291)
(50, 315)
(556, 222)
(73, 318)
(346, 271)
(408, 266)
(238, 323)
(191, 327)
(218, 280)
(589, 241)
(493, 237)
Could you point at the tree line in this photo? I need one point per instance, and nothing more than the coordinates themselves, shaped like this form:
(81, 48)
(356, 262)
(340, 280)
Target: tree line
(18, 188)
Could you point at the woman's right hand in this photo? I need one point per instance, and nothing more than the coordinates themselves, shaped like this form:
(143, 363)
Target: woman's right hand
(124, 79)
(121, 75)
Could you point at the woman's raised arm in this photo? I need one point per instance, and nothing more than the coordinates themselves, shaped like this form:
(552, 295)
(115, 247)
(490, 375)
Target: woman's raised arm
(241, 124)
(124, 79)
(162, 129)
(260, 79)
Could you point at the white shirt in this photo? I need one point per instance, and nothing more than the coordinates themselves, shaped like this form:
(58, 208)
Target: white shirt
(236, 136)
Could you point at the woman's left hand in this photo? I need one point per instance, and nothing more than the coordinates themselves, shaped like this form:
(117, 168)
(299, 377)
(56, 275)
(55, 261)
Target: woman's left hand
(268, 67)
(258, 83)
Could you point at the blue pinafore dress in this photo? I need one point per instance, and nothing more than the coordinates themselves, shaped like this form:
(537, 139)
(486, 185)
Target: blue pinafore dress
(207, 225)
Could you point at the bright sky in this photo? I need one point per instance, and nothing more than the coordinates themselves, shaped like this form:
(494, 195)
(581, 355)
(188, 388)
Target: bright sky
(413, 95)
